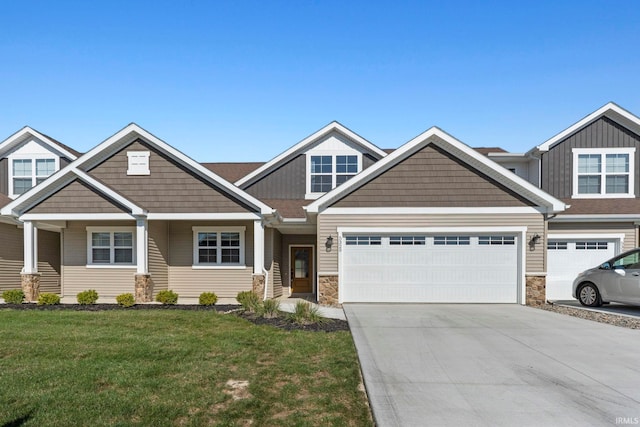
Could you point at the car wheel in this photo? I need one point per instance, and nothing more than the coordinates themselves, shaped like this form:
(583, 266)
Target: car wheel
(589, 296)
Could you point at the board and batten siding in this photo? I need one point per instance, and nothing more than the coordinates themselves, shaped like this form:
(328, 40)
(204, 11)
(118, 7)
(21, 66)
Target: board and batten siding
(329, 223)
(557, 163)
(629, 230)
(77, 277)
(4, 176)
(158, 232)
(188, 281)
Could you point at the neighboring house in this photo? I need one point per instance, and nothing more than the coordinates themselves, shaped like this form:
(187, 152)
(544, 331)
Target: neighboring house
(27, 158)
(593, 167)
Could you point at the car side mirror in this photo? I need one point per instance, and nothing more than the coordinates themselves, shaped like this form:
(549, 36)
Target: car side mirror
(605, 266)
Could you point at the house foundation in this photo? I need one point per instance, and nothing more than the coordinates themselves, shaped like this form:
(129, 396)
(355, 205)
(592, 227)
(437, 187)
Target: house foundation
(144, 288)
(328, 291)
(30, 286)
(536, 290)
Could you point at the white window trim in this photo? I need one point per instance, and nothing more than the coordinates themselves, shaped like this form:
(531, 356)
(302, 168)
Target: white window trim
(205, 229)
(141, 169)
(603, 185)
(111, 230)
(309, 195)
(33, 157)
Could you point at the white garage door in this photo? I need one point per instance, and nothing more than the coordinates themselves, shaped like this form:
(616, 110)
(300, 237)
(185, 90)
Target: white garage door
(568, 257)
(430, 268)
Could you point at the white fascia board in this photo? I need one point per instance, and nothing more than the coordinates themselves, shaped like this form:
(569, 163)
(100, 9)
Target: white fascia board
(455, 146)
(434, 211)
(241, 216)
(596, 218)
(333, 126)
(76, 217)
(609, 107)
(20, 136)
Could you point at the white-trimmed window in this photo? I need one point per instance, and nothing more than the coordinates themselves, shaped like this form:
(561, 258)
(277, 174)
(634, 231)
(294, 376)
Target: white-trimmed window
(111, 246)
(138, 163)
(27, 172)
(603, 172)
(218, 246)
(327, 171)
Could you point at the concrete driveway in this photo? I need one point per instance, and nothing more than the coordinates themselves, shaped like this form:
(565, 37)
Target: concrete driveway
(444, 364)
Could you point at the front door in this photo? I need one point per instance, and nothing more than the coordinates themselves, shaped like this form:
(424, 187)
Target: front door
(301, 269)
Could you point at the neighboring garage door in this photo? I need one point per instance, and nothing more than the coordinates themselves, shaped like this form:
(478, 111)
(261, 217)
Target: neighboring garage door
(430, 268)
(568, 257)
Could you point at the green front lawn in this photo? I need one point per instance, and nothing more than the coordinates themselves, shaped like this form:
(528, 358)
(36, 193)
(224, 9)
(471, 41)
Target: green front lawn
(164, 367)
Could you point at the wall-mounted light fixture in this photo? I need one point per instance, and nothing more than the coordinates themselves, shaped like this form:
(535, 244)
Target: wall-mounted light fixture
(329, 243)
(534, 241)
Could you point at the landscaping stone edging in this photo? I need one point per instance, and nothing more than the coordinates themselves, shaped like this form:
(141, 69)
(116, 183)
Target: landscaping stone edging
(608, 318)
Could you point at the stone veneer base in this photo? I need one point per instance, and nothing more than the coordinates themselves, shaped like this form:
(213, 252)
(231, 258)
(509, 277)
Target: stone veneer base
(536, 290)
(30, 283)
(258, 285)
(328, 291)
(144, 288)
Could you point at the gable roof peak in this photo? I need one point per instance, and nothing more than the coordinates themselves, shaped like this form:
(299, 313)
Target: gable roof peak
(610, 109)
(309, 141)
(23, 134)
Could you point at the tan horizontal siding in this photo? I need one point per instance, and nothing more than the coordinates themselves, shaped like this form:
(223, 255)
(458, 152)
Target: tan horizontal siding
(226, 283)
(108, 282)
(628, 229)
(11, 253)
(49, 261)
(159, 255)
(328, 224)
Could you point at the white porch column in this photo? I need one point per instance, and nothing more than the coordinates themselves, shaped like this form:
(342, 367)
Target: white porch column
(258, 247)
(30, 248)
(142, 246)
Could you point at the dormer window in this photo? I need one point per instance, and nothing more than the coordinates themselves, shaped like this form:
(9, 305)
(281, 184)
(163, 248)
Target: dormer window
(603, 173)
(28, 172)
(327, 171)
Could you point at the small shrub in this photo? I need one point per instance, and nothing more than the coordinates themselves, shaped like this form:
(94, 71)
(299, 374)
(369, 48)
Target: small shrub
(126, 300)
(13, 296)
(270, 308)
(48, 299)
(167, 297)
(87, 297)
(249, 301)
(208, 298)
(305, 313)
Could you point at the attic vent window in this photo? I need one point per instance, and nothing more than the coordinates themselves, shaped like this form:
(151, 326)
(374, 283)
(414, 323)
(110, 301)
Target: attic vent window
(138, 163)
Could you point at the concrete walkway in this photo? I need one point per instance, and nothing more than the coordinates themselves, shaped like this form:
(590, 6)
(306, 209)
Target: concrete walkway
(494, 365)
(289, 304)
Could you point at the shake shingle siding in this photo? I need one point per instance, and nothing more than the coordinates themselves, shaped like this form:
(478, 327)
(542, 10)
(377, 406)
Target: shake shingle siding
(286, 182)
(169, 188)
(432, 178)
(76, 197)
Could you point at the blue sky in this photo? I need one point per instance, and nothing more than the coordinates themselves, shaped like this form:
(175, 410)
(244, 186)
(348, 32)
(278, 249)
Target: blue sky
(244, 80)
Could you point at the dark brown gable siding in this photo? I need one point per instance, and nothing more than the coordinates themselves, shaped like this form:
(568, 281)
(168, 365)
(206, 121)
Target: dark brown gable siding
(76, 197)
(169, 188)
(432, 178)
(286, 182)
(557, 163)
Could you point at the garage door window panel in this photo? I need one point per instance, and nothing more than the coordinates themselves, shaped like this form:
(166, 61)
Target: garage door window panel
(557, 246)
(496, 240)
(591, 246)
(451, 240)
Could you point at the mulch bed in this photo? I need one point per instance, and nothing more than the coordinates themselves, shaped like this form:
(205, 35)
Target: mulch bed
(328, 325)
